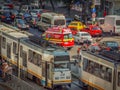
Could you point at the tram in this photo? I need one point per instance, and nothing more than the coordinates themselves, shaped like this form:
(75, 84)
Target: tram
(99, 71)
(36, 59)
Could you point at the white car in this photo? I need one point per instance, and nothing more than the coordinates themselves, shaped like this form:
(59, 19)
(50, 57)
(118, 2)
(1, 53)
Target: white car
(81, 37)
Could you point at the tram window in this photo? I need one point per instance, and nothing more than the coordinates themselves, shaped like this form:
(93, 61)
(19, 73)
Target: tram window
(39, 60)
(96, 69)
(14, 48)
(85, 64)
(3, 42)
(119, 79)
(21, 51)
(35, 58)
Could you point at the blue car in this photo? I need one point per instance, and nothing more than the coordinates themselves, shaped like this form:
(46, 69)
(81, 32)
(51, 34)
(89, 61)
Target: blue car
(21, 24)
(27, 16)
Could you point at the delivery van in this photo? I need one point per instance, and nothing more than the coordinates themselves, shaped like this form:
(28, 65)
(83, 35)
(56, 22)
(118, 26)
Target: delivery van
(111, 24)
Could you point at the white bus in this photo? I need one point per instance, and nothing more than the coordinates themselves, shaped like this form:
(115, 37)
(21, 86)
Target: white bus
(50, 19)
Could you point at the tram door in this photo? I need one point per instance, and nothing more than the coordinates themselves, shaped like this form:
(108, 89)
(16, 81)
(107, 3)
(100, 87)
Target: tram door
(9, 50)
(44, 73)
(0, 44)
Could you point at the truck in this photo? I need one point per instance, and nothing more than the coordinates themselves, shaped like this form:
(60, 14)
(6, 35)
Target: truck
(111, 25)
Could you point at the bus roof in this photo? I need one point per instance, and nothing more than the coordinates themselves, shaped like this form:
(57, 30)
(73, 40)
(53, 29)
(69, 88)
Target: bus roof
(60, 30)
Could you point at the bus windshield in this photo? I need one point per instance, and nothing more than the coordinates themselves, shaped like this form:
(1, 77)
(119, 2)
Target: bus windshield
(68, 36)
(59, 22)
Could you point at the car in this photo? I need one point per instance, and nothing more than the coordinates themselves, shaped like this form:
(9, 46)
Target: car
(27, 16)
(4, 8)
(109, 45)
(82, 37)
(93, 30)
(37, 12)
(7, 17)
(28, 7)
(21, 24)
(76, 26)
(33, 22)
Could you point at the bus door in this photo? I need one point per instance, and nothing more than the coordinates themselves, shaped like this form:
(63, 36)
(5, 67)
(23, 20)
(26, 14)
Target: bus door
(45, 73)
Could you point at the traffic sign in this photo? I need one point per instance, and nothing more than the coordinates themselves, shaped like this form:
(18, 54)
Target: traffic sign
(93, 10)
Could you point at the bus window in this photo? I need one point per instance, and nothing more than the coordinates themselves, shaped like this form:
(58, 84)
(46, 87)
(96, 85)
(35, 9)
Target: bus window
(59, 22)
(46, 20)
(119, 79)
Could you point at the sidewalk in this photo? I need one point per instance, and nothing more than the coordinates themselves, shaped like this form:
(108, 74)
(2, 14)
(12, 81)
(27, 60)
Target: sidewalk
(16, 84)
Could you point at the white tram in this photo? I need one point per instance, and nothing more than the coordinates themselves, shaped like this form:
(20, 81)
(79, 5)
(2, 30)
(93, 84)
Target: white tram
(47, 64)
(99, 71)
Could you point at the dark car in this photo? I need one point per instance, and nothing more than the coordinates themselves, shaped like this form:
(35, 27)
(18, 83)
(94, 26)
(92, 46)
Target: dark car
(33, 22)
(109, 45)
(21, 24)
(27, 16)
(7, 17)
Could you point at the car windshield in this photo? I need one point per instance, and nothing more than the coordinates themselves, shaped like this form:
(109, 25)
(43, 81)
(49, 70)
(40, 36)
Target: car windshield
(27, 15)
(68, 36)
(112, 44)
(85, 34)
(59, 22)
(95, 28)
(21, 21)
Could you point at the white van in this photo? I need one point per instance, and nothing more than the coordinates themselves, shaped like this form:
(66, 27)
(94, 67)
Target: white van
(50, 19)
(111, 24)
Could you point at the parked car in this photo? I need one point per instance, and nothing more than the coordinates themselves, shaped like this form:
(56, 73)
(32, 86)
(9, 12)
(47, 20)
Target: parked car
(21, 24)
(109, 45)
(4, 8)
(27, 16)
(37, 12)
(93, 30)
(33, 22)
(28, 7)
(76, 26)
(82, 37)
(7, 17)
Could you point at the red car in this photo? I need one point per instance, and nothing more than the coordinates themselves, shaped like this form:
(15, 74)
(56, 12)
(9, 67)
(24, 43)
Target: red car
(93, 30)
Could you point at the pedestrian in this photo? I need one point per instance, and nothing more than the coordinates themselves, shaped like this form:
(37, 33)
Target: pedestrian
(104, 13)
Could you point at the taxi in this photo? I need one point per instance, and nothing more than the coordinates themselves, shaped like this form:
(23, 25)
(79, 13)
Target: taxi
(76, 26)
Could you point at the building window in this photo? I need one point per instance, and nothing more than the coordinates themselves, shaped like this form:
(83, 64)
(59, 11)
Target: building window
(3, 42)
(14, 48)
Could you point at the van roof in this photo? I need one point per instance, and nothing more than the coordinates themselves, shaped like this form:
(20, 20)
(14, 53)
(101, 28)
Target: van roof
(50, 14)
(112, 16)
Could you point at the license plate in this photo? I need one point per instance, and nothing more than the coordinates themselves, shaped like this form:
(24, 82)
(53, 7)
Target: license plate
(8, 18)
